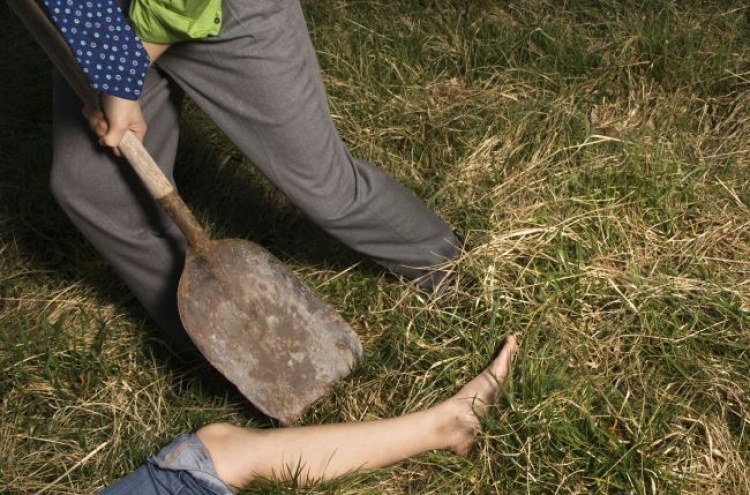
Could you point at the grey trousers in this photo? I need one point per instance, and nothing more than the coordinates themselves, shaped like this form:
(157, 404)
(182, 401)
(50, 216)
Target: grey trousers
(260, 83)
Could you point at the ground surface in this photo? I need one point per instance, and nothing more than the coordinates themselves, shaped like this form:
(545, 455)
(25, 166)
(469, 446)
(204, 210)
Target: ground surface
(595, 156)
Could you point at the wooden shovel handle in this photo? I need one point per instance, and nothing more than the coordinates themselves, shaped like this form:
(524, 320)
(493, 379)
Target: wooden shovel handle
(39, 25)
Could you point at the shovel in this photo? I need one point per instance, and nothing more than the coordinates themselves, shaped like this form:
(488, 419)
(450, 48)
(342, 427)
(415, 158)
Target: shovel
(245, 311)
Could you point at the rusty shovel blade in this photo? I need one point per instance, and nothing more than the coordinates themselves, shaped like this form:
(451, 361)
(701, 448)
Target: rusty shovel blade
(256, 323)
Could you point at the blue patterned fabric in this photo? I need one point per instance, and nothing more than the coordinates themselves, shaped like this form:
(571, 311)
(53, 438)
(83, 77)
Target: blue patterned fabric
(104, 44)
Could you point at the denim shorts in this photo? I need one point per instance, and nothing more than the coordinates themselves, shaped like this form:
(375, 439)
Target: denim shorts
(184, 467)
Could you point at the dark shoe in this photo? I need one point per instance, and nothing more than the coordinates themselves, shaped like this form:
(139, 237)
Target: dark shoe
(444, 282)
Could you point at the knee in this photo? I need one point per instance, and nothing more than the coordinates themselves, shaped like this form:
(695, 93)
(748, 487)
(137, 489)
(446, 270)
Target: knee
(60, 187)
(73, 186)
(232, 452)
(217, 439)
(216, 434)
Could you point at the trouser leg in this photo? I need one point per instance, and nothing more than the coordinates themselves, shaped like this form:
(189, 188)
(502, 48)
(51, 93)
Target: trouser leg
(110, 206)
(259, 81)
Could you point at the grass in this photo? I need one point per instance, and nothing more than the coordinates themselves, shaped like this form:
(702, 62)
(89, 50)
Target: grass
(596, 157)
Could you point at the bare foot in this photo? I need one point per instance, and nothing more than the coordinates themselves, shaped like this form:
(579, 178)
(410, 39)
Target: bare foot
(472, 402)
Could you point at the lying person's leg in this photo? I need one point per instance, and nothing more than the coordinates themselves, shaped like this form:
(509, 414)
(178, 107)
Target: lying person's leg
(222, 455)
(317, 453)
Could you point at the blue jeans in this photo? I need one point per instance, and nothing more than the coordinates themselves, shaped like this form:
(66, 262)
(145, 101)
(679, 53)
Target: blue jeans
(184, 467)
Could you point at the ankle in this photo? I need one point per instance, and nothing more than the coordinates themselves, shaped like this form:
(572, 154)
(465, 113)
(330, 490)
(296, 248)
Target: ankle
(457, 425)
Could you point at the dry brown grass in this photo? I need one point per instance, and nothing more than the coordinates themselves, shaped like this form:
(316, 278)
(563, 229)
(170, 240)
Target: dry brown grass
(595, 157)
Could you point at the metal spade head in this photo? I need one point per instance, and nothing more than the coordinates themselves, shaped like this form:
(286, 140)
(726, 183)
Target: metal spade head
(255, 322)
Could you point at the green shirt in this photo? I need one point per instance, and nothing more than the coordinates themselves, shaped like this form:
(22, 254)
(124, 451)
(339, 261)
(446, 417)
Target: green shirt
(172, 21)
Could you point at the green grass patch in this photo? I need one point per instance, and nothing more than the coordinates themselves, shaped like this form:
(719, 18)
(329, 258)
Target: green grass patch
(594, 155)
